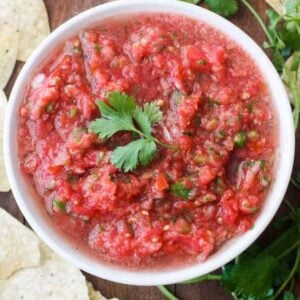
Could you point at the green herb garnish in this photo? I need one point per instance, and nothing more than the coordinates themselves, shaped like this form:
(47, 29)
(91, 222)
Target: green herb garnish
(123, 114)
(240, 139)
(179, 190)
(61, 206)
(252, 276)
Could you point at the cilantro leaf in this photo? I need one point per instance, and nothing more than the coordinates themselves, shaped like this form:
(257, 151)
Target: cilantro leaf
(143, 121)
(224, 8)
(291, 17)
(121, 113)
(146, 116)
(283, 272)
(252, 276)
(284, 31)
(139, 151)
(115, 118)
(291, 39)
(227, 277)
(122, 103)
(274, 19)
(153, 112)
(147, 153)
(288, 296)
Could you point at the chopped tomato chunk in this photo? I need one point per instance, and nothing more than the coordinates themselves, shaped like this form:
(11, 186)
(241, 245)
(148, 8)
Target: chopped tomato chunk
(161, 183)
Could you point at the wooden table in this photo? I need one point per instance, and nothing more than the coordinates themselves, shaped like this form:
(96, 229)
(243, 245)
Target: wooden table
(61, 10)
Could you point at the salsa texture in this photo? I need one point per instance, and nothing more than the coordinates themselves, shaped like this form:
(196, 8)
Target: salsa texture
(217, 111)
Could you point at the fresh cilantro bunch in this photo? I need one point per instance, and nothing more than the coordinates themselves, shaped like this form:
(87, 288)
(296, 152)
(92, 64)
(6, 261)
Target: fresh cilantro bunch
(123, 114)
(267, 272)
(284, 32)
(284, 40)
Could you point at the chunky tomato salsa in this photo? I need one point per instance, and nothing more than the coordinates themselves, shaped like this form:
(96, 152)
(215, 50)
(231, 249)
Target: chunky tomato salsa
(216, 114)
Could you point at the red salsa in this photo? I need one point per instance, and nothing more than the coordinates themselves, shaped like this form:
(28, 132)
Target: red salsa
(216, 110)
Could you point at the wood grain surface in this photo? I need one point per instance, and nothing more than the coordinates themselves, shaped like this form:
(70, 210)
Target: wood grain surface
(61, 10)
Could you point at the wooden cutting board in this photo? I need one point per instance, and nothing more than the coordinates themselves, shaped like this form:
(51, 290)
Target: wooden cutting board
(61, 10)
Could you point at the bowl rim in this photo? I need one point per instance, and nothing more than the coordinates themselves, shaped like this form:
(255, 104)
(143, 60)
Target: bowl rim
(238, 244)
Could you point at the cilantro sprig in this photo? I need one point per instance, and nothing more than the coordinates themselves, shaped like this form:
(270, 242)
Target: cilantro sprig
(122, 113)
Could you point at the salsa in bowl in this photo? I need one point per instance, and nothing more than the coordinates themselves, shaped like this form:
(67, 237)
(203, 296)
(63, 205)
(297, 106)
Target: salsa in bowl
(151, 137)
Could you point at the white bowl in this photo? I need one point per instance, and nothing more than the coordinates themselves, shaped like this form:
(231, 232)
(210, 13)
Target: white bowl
(35, 213)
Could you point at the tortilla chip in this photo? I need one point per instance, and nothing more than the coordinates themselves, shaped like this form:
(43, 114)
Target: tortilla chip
(4, 185)
(55, 280)
(95, 295)
(46, 254)
(19, 246)
(34, 26)
(277, 5)
(9, 41)
(29, 269)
